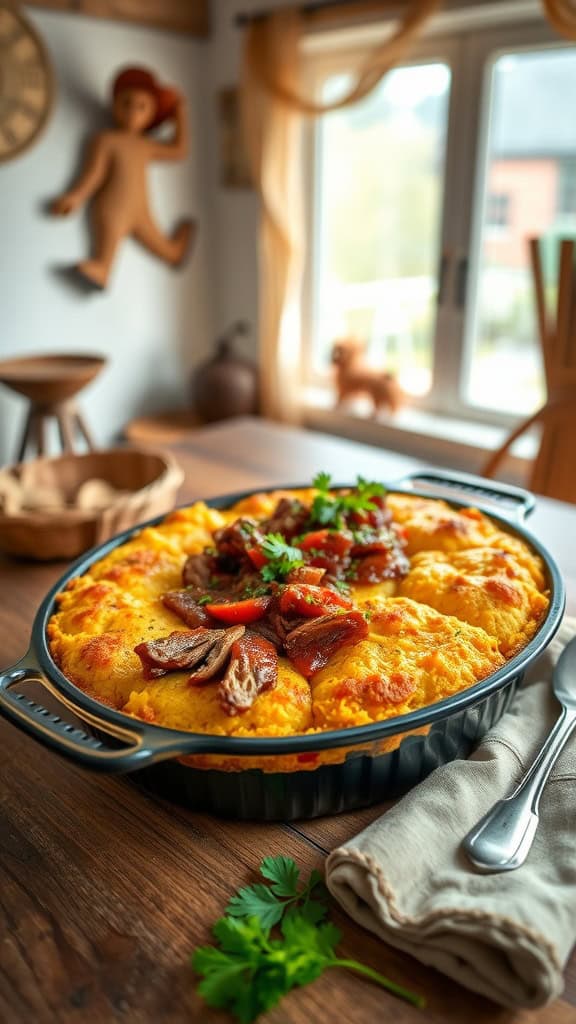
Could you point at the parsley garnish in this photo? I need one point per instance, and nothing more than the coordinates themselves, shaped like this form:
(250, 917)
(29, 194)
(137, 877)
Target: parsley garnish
(331, 509)
(251, 969)
(341, 586)
(255, 590)
(352, 570)
(369, 488)
(205, 599)
(322, 481)
(246, 527)
(281, 557)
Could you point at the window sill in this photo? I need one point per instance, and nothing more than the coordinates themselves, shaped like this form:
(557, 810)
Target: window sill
(451, 442)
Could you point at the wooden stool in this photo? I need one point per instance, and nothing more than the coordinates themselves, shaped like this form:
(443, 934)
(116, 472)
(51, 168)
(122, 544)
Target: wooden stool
(50, 384)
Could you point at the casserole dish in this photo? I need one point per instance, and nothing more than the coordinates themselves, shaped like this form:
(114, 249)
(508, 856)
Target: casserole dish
(382, 759)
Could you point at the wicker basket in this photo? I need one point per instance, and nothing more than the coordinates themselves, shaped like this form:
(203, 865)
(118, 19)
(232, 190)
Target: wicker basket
(149, 480)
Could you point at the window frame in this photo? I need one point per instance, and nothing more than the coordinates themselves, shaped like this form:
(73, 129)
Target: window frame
(470, 56)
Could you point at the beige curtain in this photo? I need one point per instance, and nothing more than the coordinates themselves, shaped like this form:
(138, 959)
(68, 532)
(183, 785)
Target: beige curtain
(271, 130)
(272, 106)
(562, 15)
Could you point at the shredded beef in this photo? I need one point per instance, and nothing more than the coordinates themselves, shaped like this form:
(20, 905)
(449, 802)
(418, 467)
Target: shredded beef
(265, 629)
(233, 541)
(253, 668)
(186, 607)
(197, 649)
(312, 644)
(289, 518)
(197, 571)
(389, 565)
(219, 654)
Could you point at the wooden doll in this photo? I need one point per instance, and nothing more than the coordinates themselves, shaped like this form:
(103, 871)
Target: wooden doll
(354, 376)
(115, 175)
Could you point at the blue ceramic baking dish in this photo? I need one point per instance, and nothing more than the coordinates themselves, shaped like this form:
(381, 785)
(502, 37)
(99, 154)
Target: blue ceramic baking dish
(113, 742)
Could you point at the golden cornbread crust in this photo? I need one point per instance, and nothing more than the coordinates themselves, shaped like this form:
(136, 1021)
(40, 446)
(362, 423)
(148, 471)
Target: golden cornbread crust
(473, 597)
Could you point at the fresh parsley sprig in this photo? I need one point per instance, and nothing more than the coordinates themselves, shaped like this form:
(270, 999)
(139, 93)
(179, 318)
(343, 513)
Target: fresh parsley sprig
(322, 481)
(281, 557)
(252, 968)
(331, 509)
(270, 902)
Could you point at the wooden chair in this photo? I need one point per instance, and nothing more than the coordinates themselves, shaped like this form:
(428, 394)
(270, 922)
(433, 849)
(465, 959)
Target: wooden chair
(553, 472)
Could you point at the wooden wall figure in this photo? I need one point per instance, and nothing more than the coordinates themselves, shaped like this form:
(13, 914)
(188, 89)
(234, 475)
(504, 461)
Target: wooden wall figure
(114, 175)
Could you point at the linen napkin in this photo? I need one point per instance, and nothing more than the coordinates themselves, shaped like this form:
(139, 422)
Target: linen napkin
(506, 935)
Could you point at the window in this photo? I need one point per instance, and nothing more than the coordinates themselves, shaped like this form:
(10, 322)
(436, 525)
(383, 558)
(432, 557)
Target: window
(379, 210)
(567, 187)
(423, 197)
(498, 210)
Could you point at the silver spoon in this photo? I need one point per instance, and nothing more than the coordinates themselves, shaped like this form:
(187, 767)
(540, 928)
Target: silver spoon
(501, 840)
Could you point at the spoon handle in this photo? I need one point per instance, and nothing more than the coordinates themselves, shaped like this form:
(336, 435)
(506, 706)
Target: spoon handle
(501, 840)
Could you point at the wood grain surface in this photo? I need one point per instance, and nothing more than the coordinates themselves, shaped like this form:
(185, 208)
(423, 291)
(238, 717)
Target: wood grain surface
(105, 889)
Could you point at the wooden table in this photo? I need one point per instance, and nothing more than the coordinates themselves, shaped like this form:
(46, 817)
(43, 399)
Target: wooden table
(105, 890)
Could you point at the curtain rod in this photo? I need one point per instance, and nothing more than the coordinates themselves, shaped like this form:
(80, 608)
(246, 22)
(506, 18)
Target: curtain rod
(310, 7)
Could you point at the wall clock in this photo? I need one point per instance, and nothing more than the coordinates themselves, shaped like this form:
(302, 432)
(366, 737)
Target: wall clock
(26, 83)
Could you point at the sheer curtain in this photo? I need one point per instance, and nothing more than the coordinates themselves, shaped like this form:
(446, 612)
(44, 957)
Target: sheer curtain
(272, 107)
(271, 130)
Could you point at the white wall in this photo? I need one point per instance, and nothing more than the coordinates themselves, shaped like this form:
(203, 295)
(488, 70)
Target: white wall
(153, 322)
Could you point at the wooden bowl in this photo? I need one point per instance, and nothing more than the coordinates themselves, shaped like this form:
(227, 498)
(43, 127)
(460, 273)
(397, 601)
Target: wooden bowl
(150, 481)
(49, 379)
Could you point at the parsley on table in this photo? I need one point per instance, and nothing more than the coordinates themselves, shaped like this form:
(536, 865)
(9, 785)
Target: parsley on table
(281, 557)
(268, 902)
(252, 967)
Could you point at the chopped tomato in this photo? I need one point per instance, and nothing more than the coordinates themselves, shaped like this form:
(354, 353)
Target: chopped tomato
(257, 558)
(329, 542)
(301, 599)
(373, 542)
(240, 612)
(384, 566)
(327, 549)
(306, 574)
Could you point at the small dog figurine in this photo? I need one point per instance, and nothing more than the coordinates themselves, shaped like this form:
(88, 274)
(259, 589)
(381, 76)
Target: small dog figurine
(355, 377)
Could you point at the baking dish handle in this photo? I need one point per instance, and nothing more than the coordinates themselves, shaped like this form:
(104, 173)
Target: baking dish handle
(512, 501)
(134, 746)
